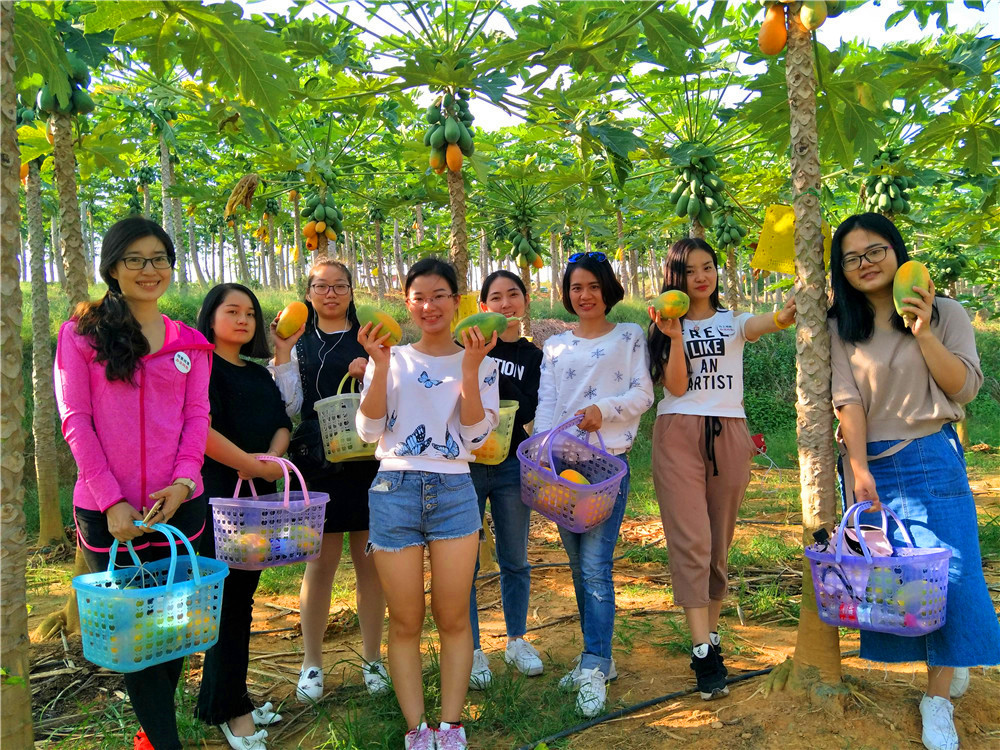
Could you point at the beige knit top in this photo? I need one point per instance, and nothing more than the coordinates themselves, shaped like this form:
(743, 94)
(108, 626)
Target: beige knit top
(887, 375)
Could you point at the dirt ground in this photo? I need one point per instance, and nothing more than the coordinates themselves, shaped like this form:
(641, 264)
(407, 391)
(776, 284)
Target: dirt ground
(881, 711)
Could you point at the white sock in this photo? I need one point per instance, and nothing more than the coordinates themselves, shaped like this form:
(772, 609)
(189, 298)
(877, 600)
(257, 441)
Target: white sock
(701, 650)
(445, 725)
(714, 638)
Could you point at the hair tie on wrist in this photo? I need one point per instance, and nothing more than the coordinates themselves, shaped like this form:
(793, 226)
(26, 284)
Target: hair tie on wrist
(778, 323)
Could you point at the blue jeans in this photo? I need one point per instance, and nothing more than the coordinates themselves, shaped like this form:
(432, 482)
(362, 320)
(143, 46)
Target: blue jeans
(590, 560)
(511, 518)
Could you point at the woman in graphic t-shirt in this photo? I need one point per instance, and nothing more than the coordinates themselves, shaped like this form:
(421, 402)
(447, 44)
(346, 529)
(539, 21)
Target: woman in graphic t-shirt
(701, 446)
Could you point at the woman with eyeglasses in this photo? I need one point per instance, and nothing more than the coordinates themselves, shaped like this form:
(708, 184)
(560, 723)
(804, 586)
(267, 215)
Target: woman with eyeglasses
(132, 390)
(899, 385)
(308, 366)
(429, 404)
(599, 370)
(702, 451)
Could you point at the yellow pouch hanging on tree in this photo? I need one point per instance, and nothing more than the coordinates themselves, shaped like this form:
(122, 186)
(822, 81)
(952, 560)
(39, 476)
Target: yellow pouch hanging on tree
(776, 246)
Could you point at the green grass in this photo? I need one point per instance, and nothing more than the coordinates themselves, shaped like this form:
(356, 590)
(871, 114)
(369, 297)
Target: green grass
(989, 537)
(762, 551)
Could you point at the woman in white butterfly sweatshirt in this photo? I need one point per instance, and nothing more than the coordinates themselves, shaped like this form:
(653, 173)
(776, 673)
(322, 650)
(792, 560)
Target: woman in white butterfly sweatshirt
(429, 405)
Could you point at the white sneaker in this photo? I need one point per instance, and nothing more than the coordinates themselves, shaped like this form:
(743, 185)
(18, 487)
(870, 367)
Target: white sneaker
(310, 687)
(593, 692)
(265, 715)
(571, 680)
(253, 742)
(938, 722)
(959, 682)
(375, 676)
(421, 738)
(481, 676)
(524, 656)
(451, 738)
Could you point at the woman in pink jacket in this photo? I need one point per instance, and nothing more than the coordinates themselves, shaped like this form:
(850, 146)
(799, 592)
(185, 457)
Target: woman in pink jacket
(132, 389)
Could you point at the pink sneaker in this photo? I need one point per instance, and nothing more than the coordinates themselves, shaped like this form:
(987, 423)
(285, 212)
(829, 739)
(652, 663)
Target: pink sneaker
(421, 738)
(451, 737)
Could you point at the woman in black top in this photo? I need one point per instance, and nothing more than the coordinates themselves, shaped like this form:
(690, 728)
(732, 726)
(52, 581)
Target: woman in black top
(308, 366)
(519, 366)
(248, 419)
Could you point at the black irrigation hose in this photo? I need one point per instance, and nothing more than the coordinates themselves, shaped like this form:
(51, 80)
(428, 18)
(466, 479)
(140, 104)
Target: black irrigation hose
(633, 708)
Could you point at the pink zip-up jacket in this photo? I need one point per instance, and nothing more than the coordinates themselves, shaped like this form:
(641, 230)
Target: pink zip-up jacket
(131, 440)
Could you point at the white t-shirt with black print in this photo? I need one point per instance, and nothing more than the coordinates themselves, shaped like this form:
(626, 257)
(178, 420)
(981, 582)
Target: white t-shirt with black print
(714, 350)
(610, 372)
(422, 429)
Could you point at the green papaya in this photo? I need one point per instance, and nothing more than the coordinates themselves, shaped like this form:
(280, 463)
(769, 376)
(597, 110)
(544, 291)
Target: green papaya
(451, 130)
(437, 137)
(319, 213)
(694, 206)
(461, 94)
(884, 202)
(46, 101)
(488, 322)
(682, 205)
(78, 70)
(82, 103)
(897, 205)
(312, 201)
(710, 203)
(433, 115)
(705, 217)
(464, 140)
(427, 135)
(449, 100)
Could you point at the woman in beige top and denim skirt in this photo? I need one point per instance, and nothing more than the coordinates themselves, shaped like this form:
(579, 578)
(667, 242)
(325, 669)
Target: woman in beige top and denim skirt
(893, 384)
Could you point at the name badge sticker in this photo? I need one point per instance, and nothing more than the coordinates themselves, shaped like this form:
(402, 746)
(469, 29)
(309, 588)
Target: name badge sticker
(182, 362)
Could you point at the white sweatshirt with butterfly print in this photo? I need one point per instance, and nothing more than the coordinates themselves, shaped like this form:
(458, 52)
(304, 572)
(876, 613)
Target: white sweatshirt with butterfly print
(422, 430)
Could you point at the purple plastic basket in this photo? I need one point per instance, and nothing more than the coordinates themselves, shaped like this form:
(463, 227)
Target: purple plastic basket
(576, 507)
(904, 594)
(270, 530)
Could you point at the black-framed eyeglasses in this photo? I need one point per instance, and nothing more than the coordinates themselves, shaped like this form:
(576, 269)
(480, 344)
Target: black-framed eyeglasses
(873, 255)
(323, 289)
(137, 263)
(575, 257)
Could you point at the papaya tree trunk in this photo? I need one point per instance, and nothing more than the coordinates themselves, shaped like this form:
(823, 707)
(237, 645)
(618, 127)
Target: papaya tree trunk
(15, 690)
(397, 250)
(241, 256)
(620, 235)
(379, 264)
(70, 232)
(296, 241)
(145, 201)
(526, 320)
(166, 219)
(732, 280)
(484, 255)
(554, 242)
(272, 267)
(459, 248)
(697, 230)
(43, 417)
(817, 649)
(419, 211)
(194, 252)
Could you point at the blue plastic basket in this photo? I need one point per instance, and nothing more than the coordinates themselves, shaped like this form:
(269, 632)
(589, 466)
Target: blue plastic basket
(136, 616)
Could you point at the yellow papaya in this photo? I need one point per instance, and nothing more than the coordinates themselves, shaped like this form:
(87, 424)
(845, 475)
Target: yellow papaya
(773, 33)
(291, 319)
(672, 304)
(320, 227)
(368, 314)
(572, 475)
(910, 274)
(812, 13)
(330, 234)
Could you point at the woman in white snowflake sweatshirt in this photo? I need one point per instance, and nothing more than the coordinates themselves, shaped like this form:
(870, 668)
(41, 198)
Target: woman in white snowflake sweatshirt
(429, 405)
(600, 370)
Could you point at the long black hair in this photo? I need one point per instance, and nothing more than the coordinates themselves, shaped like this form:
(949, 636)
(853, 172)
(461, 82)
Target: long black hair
(675, 277)
(256, 347)
(612, 291)
(114, 332)
(854, 314)
(432, 267)
(352, 309)
(501, 274)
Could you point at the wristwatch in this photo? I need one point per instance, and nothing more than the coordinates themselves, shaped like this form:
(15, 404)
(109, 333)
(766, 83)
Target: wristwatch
(189, 483)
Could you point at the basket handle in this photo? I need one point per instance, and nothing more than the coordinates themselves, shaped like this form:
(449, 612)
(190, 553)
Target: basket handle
(171, 533)
(855, 511)
(285, 463)
(575, 419)
(354, 384)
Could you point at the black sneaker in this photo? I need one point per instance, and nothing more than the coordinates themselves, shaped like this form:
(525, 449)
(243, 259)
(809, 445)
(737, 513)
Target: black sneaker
(718, 655)
(710, 674)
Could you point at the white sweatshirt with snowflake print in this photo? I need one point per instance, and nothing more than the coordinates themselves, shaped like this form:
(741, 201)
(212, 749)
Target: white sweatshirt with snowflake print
(610, 372)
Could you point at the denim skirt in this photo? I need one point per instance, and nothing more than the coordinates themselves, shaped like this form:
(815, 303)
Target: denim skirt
(926, 485)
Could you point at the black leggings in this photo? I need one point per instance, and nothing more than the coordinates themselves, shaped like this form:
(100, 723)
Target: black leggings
(224, 694)
(151, 690)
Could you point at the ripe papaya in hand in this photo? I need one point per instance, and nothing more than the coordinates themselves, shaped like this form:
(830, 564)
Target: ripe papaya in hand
(671, 304)
(368, 314)
(488, 322)
(910, 274)
(291, 319)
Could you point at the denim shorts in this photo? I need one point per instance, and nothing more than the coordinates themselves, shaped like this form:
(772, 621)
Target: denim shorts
(410, 508)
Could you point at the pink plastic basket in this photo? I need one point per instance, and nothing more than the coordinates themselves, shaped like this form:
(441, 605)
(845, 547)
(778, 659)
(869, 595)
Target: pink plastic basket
(270, 530)
(904, 594)
(576, 507)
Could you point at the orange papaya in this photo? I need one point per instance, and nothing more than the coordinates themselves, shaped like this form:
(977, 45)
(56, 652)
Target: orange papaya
(773, 32)
(309, 230)
(538, 262)
(368, 314)
(671, 304)
(437, 158)
(291, 319)
(454, 157)
(320, 227)
(911, 274)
